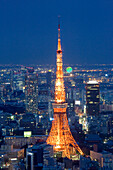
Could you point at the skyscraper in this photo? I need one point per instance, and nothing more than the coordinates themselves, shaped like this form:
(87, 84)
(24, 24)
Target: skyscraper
(48, 77)
(34, 158)
(31, 92)
(43, 96)
(92, 98)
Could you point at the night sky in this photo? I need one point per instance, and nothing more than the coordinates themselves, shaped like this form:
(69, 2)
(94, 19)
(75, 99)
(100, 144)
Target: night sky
(28, 31)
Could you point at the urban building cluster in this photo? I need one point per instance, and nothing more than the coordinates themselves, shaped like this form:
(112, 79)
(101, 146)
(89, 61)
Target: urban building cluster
(26, 115)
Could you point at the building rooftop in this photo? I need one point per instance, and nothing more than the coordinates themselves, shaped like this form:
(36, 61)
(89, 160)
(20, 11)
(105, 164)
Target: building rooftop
(92, 137)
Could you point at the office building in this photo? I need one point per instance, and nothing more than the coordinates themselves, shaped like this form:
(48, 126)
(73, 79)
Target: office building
(92, 98)
(44, 96)
(104, 158)
(31, 92)
(34, 158)
(48, 77)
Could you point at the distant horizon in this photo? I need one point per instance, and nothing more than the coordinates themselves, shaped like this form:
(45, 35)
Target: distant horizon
(54, 64)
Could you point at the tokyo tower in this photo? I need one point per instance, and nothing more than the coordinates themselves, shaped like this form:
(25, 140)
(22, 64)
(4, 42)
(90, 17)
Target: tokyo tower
(60, 135)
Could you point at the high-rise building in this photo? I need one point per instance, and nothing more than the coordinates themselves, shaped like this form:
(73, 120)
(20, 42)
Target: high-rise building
(48, 77)
(34, 158)
(17, 80)
(92, 98)
(43, 96)
(31, 92)
(70, 107)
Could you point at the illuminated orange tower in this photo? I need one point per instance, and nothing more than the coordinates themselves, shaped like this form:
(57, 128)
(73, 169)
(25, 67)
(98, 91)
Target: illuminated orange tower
(60, 135)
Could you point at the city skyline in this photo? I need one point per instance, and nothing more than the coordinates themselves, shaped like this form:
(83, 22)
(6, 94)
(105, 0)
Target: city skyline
(56, 85)
(29, 32)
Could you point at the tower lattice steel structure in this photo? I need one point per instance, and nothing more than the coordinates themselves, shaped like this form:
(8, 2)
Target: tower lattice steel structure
(60, 135)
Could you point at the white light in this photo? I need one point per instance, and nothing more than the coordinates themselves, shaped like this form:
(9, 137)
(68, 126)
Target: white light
(58, 83)
(92, 82)
(77, 102)
(30, 153)
(51, 119)
(57, 146)
(13, 159)
(59, 101)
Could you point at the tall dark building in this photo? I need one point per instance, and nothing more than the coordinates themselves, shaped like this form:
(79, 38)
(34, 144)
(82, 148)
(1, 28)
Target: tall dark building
(43, 96)
(31, 92)
(48, 77)
(34, 158)
(70, 107)
(92, 98)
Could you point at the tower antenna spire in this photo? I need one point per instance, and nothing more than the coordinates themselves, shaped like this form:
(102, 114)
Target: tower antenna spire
(59, 40)
(59, 22)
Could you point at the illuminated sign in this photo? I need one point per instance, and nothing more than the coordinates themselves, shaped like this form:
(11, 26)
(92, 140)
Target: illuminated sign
(77, 102)
(27, 134)
(69, 69)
